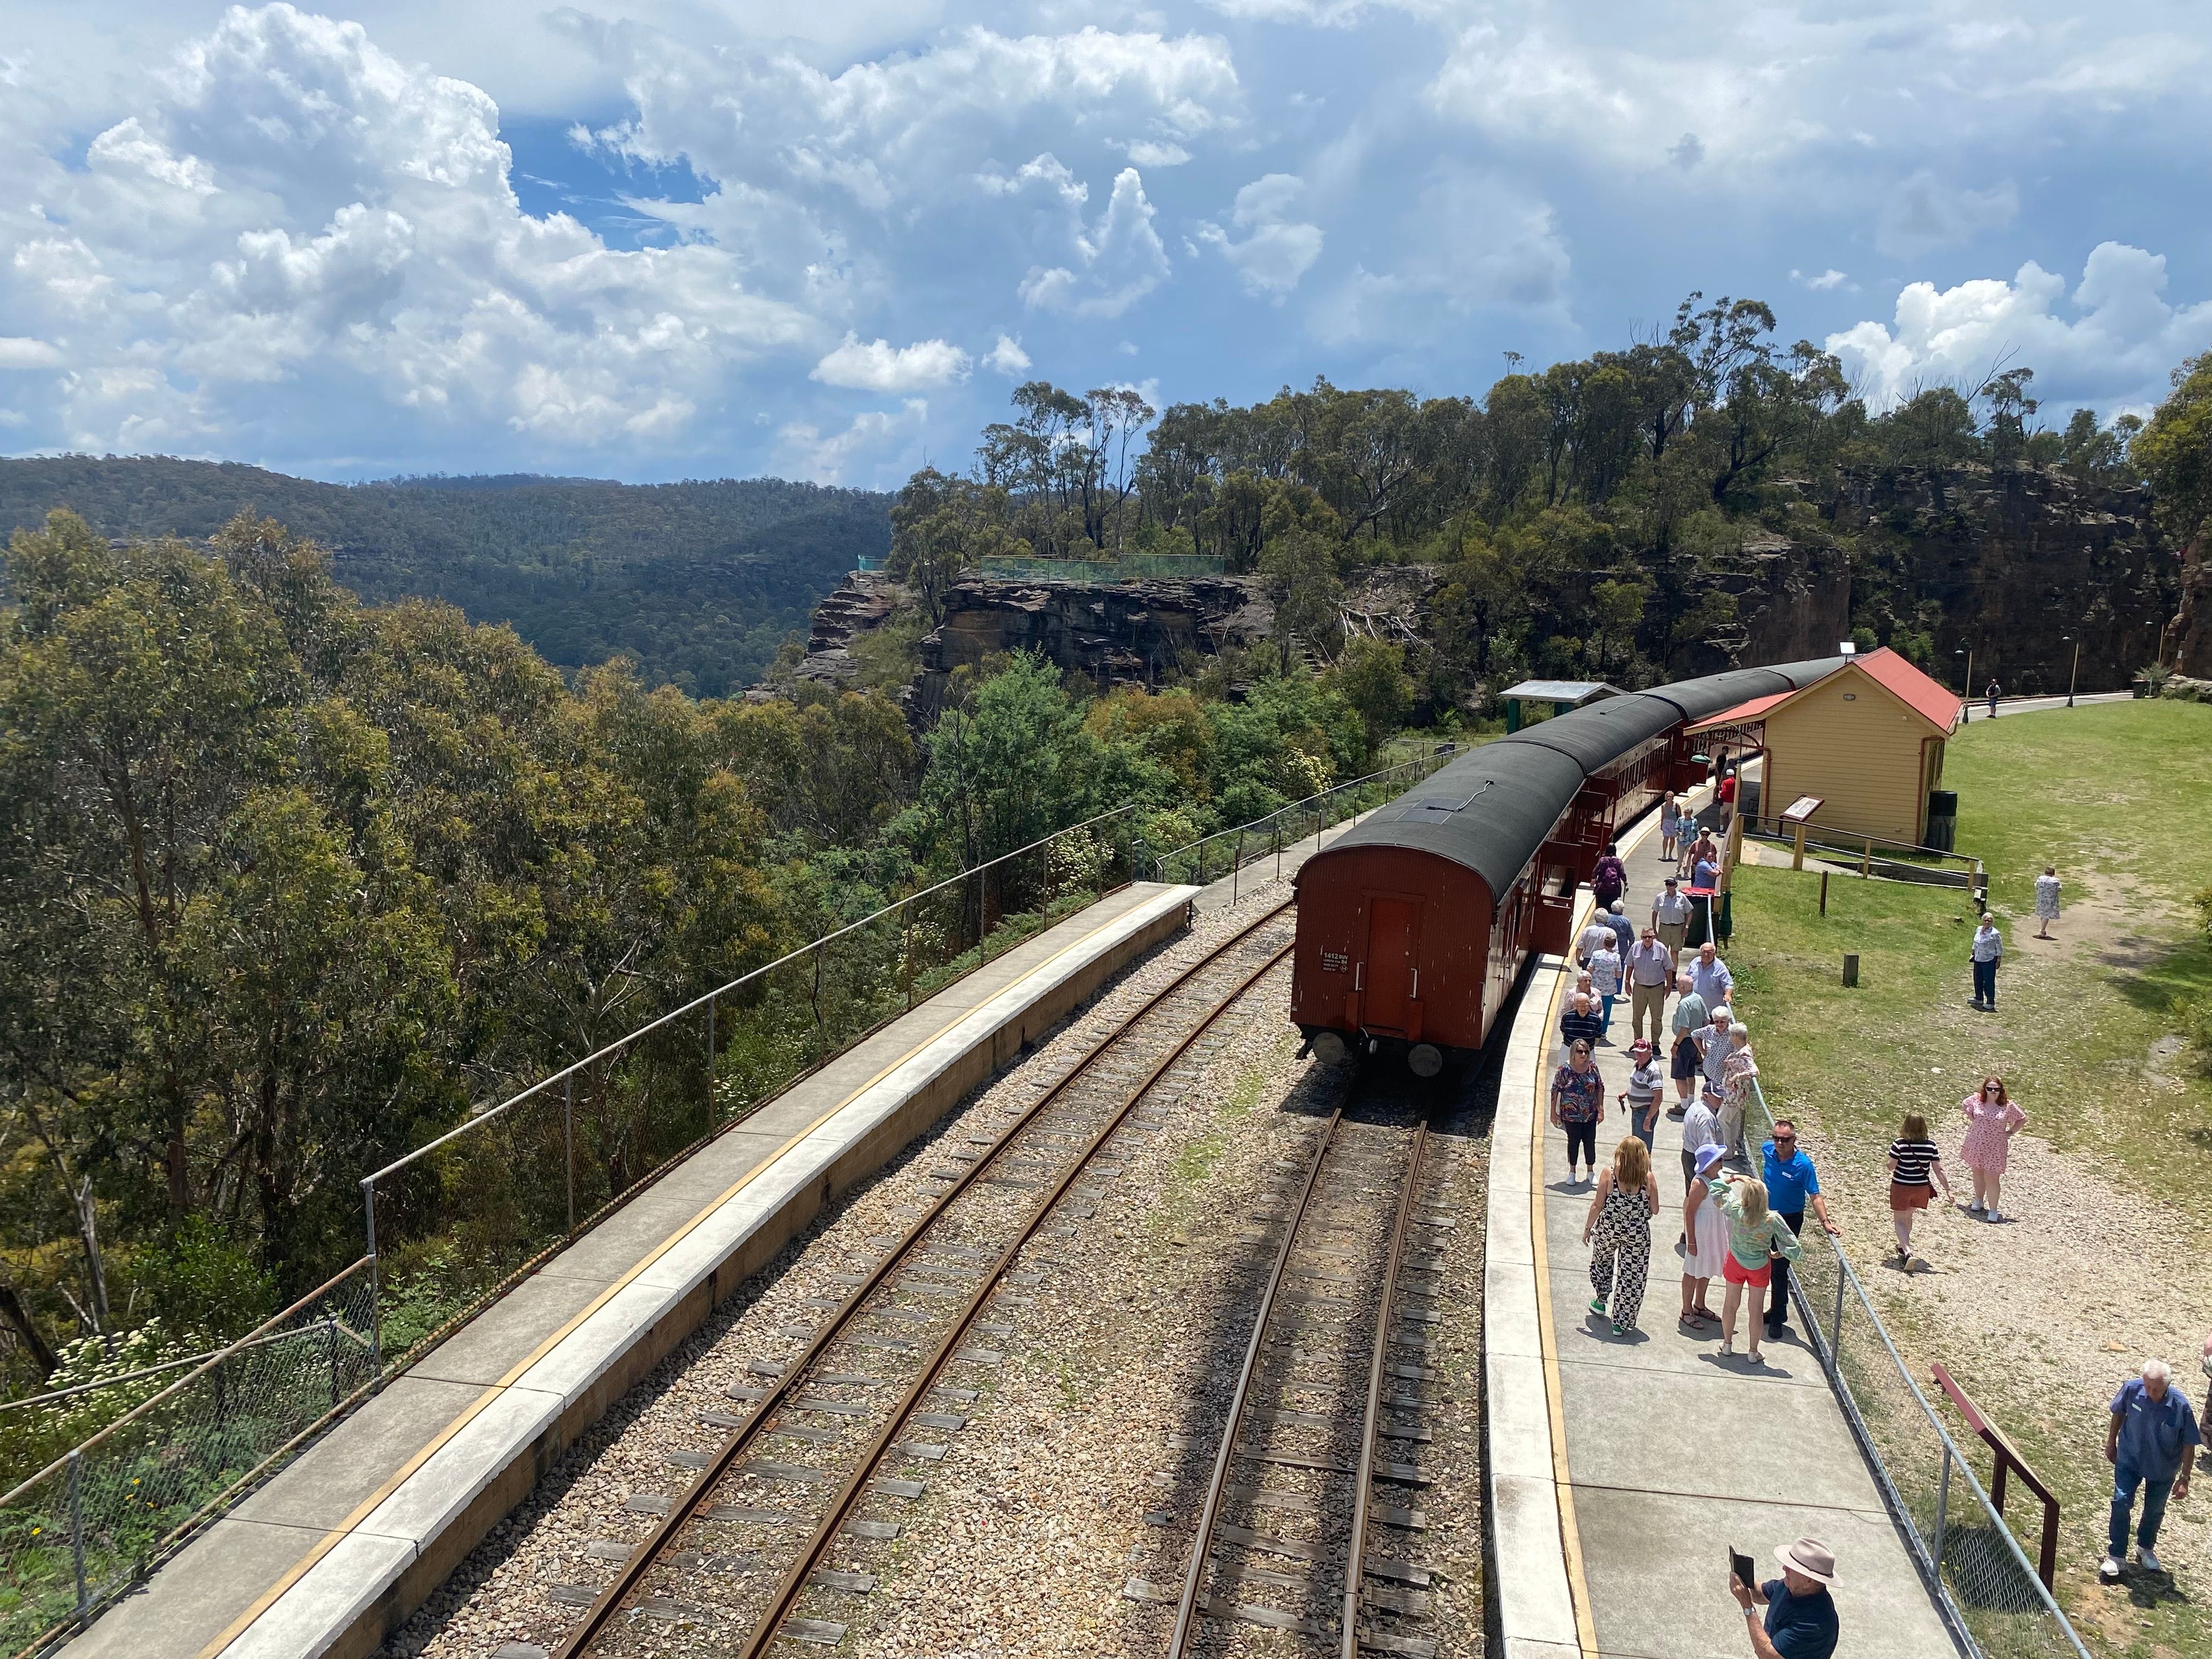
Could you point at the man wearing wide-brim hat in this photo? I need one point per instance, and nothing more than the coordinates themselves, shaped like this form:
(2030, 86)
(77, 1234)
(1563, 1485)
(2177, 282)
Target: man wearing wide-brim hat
(1800, 1617)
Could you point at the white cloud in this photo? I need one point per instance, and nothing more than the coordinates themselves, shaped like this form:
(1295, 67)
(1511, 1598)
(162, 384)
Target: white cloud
(880, 447)
(1276, 250)
(17, 352)
(1924, 214)
(2115, 352)
(1829, 278)
(1145, 154)
(1007, 357)
(1111, 264)
(878, 366)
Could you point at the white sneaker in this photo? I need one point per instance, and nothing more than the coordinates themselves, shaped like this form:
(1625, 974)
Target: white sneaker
(1992, 1215)
(2109, 1569)
(2147, 1559)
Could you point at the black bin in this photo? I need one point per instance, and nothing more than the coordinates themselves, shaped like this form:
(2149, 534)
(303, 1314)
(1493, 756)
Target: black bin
(1943, 819)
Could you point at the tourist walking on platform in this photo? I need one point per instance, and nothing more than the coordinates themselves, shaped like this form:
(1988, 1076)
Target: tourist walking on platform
(1578, 1105)
(1992, 1121)
(1608, 876)
(1738, 1069)
(1605, 967)
(1618, 1229)
(1915, 1166)
(1792, 1182)
(2046, 900)
(2150, 1443)
(1713, 1052)
(1624, 930)
(1800, 1621)
(1724, 799)
(1988, 951)
(1640, 1099)
(1650, 971)
(1757, 1238)
(1709, 975)
(1670, 828)
(1580, 1024)
(1703, 849)
(1593, 938)
(1670, 915)
(1704, 1235)
(1701, 1129)
(1691, 1016)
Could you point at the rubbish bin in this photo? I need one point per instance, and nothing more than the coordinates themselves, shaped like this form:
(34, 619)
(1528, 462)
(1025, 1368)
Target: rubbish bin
(1943, 819)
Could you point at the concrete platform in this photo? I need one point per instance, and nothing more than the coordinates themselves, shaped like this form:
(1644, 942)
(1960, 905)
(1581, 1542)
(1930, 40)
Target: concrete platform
(1635, 1462)
(351, 1537)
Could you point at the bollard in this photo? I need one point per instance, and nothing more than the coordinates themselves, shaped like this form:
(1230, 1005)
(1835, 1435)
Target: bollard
(1824, 892)
(1850, 968)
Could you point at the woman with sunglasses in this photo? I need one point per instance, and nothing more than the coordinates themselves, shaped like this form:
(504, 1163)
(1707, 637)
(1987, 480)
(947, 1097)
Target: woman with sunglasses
(1992, 1121)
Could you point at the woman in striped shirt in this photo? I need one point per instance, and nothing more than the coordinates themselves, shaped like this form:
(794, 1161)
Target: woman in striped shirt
(1912, 1160)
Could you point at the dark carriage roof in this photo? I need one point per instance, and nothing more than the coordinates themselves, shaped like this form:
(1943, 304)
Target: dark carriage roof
(1488, 811)
(1491, 808)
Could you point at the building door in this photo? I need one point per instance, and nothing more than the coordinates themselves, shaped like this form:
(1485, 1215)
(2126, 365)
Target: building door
(1394, 933)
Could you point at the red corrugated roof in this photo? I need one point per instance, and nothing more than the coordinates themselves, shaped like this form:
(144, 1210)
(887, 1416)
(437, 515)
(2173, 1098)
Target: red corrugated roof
(1740, 714)
(1931, 701)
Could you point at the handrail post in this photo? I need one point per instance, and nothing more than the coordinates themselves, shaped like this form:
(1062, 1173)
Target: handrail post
(375, 1287)
(1942, 1512)
(1235, 866)
(906, 950)
(76, 1533)
(568, 1146)
(821, 1029)
(710, 1062)
(1836, 1341)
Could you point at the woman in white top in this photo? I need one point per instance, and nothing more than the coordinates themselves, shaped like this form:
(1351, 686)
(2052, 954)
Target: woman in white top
(2046, 900)
(1670, 828)
(1705, 1231)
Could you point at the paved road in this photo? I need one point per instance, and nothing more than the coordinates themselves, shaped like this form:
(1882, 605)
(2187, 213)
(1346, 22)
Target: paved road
(1979, 710)
(1674, 1454)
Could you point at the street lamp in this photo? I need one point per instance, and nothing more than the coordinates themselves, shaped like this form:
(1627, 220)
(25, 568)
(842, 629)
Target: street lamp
(1966, 712)
(2074, 673)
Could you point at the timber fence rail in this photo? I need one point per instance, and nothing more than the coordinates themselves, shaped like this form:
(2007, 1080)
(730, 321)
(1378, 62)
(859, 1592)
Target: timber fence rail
(1987, 1589)
(1225, 852)
(97, 1519)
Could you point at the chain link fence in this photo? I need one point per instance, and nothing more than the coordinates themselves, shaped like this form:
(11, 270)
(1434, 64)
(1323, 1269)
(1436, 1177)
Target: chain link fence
(95, 1521)
(1212, 857)
(1985, 1585)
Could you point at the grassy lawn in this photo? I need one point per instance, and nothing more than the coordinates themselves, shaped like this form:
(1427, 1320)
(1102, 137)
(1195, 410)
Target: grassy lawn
(2092, 1037)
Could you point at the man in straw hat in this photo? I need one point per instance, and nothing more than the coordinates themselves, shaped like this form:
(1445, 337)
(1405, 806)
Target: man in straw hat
(1800, 1618)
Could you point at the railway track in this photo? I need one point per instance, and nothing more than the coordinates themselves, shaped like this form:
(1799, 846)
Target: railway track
(1309, 1523)
(762, 1547)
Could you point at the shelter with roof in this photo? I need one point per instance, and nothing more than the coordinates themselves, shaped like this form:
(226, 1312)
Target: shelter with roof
(1866, 738)
(1554, 695)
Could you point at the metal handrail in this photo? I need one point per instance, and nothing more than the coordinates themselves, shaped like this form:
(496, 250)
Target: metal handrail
(480, 1119)
(1827, 1344)
(1440, 751)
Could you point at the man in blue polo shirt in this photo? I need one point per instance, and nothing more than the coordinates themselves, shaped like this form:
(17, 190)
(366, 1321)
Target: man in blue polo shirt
(1790, 1182)
(2151, 1441)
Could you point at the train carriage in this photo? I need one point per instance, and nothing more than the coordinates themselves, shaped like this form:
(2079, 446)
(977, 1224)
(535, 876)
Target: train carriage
(1414, 924)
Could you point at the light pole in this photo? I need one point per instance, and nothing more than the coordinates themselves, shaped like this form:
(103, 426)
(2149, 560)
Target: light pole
(1966, 712)
(2074, 673)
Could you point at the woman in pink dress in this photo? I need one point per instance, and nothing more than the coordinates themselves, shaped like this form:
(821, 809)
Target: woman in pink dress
(1991, 1122)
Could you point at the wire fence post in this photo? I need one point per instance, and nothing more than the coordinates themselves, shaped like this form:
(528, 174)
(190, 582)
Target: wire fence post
(983, 916)
(1836, 1341)
(710, 1062)
(1943, 1511)
(568, 1144)
(821, 1031)
(1235, 866)
(76, 1532)
(375, 1286)
(331, 1342)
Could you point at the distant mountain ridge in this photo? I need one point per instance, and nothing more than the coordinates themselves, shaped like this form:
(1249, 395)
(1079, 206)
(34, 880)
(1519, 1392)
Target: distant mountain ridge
(699, 581)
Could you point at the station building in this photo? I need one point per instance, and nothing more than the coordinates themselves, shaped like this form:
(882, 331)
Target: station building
(1867, 739)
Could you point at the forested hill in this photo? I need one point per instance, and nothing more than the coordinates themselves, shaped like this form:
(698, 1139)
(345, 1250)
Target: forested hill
(698, 581)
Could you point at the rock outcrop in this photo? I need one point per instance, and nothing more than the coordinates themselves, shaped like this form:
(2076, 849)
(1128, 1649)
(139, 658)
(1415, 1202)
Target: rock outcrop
(2025, 562)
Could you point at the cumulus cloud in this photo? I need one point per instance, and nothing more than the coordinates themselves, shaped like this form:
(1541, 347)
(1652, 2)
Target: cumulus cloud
(2114, 352)
(1006, 357)
(1829, 278)
(1276, 250)
(16, 352)
(1108, 264)
(880, 447)
(878, 366)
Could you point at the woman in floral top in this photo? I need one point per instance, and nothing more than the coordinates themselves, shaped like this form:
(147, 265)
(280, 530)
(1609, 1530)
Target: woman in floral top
(1756, 1236)
(1991, 1122)
(1578, 1105)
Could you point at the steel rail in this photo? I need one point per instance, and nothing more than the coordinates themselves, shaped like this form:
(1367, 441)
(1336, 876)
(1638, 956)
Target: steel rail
(1209, 1512)
(795, 1577)
(1355, 1563)
(670, 1525)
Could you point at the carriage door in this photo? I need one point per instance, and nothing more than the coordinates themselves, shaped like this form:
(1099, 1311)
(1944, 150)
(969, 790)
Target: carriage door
(1392, 969)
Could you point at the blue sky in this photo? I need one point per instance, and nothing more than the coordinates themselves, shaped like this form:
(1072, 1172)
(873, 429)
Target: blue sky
(689, 238)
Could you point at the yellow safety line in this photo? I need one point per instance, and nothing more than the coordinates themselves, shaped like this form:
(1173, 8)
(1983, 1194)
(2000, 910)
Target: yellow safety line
(330, 1541)
(1571, 1543)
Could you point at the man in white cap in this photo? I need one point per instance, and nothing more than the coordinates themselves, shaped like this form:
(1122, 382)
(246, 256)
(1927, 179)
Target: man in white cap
(1801, 1616)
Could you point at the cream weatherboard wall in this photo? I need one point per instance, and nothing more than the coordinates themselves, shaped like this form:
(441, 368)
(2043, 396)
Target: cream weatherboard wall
(1855, 742)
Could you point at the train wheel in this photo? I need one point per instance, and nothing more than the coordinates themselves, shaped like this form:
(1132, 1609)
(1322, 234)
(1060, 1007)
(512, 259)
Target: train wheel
(1425, 1059)
(1329, 1048)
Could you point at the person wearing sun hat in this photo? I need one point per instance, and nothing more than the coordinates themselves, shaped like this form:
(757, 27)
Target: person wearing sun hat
(1801, 1616)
